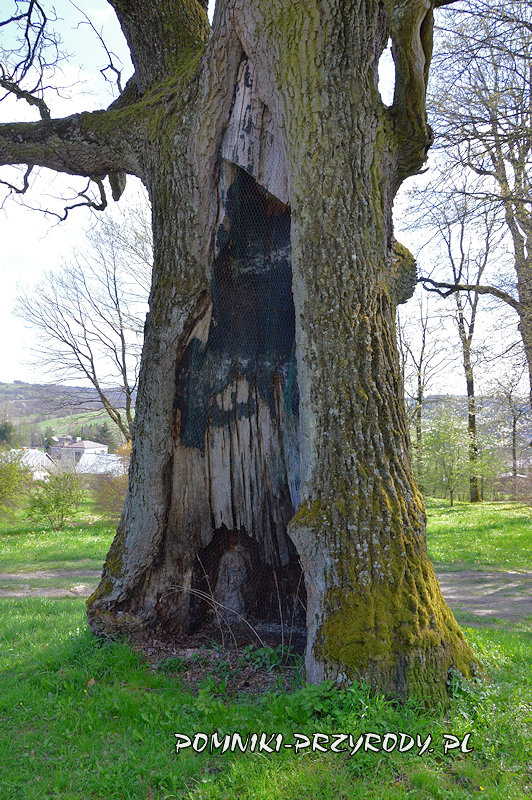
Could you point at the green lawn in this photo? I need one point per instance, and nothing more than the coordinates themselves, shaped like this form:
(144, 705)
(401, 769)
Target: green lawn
(490, 536)
(31, 547)
(86, 719)
(495, 536)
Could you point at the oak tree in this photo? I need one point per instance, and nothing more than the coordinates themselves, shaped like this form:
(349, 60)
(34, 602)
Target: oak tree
(270, 429)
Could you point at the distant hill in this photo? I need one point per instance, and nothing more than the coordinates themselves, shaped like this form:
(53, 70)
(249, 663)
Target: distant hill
(33, 402)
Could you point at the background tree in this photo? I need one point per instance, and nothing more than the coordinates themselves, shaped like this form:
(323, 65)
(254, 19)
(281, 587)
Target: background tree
(269, 423)
(89, 317)
(446, 454)
(8, 434)
(14, 479)
(511, 401)
(425, 355)
(468, 248)
(57, 499)
(482, 104)
(109, 490)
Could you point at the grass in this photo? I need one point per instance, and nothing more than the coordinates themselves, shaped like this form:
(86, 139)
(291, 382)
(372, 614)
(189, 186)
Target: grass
(89, 719)
(85, 718)
(484, 536)
(62, 424)
(488, 536)
(29, 547)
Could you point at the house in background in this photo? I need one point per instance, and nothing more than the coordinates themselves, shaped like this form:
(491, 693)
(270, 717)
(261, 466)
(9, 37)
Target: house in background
(71, 449)
(38, 462)
(102, 464)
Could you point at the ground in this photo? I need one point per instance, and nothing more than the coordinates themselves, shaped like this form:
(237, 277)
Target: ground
(87, 718)
(486, 594)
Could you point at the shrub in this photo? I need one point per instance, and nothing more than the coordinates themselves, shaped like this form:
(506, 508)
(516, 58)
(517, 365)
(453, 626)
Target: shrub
(57, 499)
(14, 479)
(109, 494)
(109, 491)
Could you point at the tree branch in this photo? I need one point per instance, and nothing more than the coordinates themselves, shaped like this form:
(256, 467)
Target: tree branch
(159, 33)
(446, 289)
(89, 144)
(22, 94)
(411, 26)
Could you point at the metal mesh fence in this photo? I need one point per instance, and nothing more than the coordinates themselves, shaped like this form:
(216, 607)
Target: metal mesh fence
(238, 402)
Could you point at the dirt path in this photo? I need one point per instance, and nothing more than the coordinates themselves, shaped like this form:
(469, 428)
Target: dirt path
(506, 595)
(74, 588)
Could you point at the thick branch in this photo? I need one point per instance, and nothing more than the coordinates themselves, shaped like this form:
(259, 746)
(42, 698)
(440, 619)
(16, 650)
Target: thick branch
(411, 25)
(158, 33)
(91, 145)
(22, 94)
(446, 289)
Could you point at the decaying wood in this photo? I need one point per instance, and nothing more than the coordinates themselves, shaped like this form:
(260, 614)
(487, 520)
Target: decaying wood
(269, 423)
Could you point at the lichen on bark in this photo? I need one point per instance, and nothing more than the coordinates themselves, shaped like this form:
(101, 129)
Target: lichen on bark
(302, 443)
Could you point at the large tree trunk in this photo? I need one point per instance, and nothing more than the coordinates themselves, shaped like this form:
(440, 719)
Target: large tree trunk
(270, 429)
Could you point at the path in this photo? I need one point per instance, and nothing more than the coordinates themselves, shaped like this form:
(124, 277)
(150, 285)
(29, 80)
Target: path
(507, 595)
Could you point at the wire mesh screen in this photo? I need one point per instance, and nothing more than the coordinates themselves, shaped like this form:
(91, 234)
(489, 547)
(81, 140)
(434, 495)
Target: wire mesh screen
(238, 402)
(252, 333)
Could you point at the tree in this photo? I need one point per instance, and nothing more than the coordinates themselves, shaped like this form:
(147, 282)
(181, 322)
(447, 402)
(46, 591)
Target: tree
(447, 451)
(109, 490)
(8, 433)
(89, 319)
(57, 499)
(424, 356)
(14, 479)
(468, 249)
(446, 454)
(483, 120)
(512, 403)
(269, 422)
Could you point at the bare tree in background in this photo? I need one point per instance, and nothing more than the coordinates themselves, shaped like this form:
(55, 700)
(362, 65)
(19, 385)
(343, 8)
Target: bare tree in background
(468, 241)
(481, 103)
(424, 355)
(89, 316)
(508, 392)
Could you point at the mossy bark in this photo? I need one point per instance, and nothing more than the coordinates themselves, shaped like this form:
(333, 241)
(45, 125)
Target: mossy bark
(310, 428)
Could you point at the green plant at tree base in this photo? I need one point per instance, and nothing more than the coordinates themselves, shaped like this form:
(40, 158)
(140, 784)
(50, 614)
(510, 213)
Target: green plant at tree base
(57, 499)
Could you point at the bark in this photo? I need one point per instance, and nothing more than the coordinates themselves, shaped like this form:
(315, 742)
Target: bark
(86, 144)
(514, 446)
(466, 338)
(270, 428)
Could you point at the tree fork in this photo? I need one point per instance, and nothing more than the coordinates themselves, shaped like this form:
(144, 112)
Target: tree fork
(374, 608)
(269, 417)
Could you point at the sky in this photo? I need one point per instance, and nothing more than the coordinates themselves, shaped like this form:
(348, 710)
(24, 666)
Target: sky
(31, 243)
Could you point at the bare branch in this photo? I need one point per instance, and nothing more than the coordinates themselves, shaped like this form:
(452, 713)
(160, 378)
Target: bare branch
(110, 55)
(446, 289)
(35, 54)
(19, 189)
(22, 94)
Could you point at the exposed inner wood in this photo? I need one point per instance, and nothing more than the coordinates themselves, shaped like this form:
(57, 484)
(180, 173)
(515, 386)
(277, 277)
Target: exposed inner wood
(236, 466)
